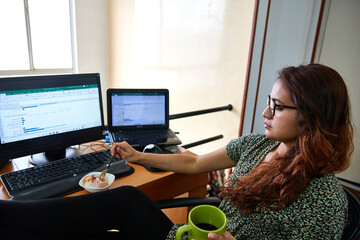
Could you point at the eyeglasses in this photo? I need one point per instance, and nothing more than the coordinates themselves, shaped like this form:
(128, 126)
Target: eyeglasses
(272, 106)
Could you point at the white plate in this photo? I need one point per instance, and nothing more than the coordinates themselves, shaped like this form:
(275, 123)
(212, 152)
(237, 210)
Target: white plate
(109, 176)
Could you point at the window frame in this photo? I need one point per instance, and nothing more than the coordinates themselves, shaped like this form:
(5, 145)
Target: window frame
(32, 70)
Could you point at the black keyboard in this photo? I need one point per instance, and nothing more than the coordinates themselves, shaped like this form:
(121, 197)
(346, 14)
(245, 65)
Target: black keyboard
(157, 135)
(61, 177)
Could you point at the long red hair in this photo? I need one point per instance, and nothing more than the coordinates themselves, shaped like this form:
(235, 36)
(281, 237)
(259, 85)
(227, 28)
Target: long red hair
(324, 144)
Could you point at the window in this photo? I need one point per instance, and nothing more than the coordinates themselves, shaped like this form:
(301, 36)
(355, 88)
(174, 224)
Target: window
(36, 37)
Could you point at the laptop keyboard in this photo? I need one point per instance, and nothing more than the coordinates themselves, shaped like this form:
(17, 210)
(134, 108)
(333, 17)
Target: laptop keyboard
(147, 135)
(59, 177)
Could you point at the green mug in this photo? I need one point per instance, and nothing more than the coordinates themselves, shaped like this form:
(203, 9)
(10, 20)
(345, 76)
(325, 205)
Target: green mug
(202, 220)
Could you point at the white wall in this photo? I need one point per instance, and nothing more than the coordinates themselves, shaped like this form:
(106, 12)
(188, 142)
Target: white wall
(341, 50)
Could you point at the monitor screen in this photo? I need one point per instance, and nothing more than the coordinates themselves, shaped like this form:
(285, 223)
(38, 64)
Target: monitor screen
(48, 114)
(138, 109)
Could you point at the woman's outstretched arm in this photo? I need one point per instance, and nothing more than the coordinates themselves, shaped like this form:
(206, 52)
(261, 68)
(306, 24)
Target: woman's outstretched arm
(181, 163)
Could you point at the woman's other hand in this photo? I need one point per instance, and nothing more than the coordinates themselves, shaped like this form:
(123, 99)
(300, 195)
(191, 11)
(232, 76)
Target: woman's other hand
(226, 236)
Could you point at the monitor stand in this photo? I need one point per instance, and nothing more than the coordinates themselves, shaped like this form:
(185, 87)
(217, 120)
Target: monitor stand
(46, 157)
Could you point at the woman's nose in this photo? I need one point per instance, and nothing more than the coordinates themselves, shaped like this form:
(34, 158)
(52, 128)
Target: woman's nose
(266, 113)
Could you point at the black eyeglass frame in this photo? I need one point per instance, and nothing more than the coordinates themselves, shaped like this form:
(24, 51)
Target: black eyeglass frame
(272, 110)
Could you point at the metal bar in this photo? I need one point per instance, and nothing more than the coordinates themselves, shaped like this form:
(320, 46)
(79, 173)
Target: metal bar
(186, 202)
(186, 146)
(193, 113)
(28, 34)
(74, 56)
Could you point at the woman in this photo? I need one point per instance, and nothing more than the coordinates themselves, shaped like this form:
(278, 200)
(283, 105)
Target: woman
(283, 185)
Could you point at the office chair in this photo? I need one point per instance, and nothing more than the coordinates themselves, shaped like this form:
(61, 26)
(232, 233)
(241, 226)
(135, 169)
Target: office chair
(351, 231)
(91, 216)
(58, 218)
(352, 228)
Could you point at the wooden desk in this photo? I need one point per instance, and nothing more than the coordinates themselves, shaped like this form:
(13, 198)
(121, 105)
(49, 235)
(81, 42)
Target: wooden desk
(157, 185)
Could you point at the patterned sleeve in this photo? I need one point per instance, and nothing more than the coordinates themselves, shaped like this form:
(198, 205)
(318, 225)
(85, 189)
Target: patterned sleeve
(234, 149)
(172, 234)
(242, 145)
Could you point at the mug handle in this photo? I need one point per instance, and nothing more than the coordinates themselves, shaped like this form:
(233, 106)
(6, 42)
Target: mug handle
(182, 230)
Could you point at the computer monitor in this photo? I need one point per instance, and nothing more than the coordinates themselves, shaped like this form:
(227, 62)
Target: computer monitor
(43, 116)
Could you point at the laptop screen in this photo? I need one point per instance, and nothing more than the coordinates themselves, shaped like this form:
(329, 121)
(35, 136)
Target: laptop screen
(137, 108)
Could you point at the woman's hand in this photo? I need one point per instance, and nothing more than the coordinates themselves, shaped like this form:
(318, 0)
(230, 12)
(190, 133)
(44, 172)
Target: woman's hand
(124, 150)
(226, 236)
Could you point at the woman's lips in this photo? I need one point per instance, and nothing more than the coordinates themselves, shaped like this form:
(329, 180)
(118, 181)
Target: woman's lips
(267, 126)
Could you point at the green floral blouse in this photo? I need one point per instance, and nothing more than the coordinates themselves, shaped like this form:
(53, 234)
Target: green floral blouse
(319, 212)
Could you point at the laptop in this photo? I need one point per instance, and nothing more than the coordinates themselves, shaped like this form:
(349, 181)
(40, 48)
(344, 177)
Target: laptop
(140, 117)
